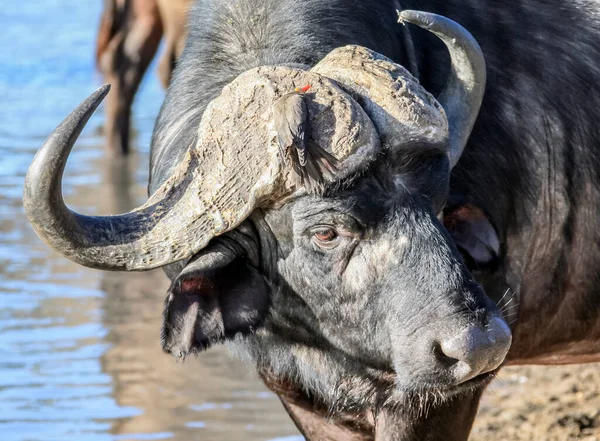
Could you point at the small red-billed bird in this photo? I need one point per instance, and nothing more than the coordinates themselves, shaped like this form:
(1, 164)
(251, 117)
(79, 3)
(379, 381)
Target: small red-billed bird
(309, 161)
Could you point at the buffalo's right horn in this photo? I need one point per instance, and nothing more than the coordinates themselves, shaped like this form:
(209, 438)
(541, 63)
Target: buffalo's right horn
(404, 113)
(465, 86)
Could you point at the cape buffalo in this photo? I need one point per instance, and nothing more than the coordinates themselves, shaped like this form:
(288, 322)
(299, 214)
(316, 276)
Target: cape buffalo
(307, 232)
(129, 34)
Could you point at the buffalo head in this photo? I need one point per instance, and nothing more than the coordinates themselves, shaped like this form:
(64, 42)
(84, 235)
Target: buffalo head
(352, 287)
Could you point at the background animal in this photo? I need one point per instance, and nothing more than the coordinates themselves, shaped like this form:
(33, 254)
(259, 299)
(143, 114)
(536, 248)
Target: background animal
(129, 35)
(503, 211)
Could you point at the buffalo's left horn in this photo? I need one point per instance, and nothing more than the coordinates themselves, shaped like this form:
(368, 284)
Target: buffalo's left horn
(463, 93)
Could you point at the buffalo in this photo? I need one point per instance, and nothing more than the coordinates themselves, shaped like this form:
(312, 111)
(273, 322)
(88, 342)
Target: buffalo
(381, 242)
(129, 35)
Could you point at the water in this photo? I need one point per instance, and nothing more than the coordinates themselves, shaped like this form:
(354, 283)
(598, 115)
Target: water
(79, 349)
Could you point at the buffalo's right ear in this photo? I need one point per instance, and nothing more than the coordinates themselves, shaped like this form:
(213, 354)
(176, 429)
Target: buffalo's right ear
(217, 295)
(473, 233)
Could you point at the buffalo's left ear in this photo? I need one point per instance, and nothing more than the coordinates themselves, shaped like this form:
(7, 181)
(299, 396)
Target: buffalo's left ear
(216, 296)
(473, 233)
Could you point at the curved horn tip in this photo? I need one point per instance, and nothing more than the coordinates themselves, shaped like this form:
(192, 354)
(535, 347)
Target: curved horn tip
(438, 24)
(42, 195)
(463, 94)
(91, 103)
(444, 27)
(102, 91)
(98, 95)
(63, 136)
(419, 18)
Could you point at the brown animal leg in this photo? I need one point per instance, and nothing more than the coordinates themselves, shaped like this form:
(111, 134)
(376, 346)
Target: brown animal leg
(166, 66)
(173, 13)
(130, 32)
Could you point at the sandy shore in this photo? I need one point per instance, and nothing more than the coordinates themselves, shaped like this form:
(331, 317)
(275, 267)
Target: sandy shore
(541, 403)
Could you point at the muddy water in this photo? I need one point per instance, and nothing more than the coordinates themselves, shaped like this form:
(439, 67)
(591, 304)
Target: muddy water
(79, 349)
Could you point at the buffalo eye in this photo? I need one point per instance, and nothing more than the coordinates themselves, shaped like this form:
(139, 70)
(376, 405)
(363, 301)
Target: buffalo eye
(325, 237)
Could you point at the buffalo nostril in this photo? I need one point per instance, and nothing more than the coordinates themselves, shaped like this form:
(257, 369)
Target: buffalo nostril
(443, 358)
(474, 350)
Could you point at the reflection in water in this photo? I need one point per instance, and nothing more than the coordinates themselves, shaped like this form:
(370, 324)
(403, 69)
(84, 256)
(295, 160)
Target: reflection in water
(79, 349)
(212, 397)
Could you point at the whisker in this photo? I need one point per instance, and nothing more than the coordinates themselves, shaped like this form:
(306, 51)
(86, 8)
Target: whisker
(503, 296)
(509, 306)
(516, 305)
(507, 303)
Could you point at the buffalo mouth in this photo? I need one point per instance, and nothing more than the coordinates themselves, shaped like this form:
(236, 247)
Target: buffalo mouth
(424, 394)
(451, 390)
(479, 382)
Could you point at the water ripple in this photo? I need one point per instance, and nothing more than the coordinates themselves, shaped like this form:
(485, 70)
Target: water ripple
(79, 349)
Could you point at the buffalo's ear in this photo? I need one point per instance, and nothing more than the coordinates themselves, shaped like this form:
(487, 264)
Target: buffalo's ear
(473, 233)
(217, 295)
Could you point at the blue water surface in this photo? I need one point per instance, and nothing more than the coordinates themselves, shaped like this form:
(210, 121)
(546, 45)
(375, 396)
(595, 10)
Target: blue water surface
(79, 349)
